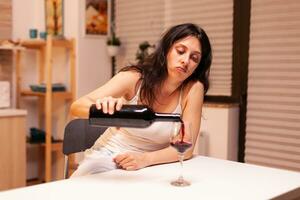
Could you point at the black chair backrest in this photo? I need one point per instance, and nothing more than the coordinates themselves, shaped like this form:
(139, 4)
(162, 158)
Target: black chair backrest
(80, 135)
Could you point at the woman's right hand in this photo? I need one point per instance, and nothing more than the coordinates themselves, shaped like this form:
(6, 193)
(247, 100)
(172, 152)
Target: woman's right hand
(110, 104)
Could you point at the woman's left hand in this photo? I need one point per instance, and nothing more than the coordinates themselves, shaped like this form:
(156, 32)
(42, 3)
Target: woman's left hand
(131, 160)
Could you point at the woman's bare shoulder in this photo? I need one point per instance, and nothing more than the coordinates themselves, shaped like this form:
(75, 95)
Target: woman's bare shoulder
(129, 75)
(194, 87)
(132, 80)
(194, 91)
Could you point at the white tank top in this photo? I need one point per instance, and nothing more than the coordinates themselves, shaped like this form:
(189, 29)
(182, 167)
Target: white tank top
(152, 138)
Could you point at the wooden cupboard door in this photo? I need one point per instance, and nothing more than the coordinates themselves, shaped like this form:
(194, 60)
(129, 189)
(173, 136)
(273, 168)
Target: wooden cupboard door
(12, 152)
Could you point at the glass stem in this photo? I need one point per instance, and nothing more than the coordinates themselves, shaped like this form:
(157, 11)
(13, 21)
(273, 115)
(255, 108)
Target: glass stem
(181, 157)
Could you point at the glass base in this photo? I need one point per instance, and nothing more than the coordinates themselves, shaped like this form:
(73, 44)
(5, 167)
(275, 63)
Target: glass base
(180, 183)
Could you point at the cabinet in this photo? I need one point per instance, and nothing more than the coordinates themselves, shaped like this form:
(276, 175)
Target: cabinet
(12, 148)
(45, 100)
(218, 136)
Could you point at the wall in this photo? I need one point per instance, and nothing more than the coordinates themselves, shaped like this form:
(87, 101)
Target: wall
(5, 33)
(5, 19)
(93, 63)
(219, 131)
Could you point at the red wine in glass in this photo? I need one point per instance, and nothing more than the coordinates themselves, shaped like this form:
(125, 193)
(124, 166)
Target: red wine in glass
(181, 140)
(181, 146)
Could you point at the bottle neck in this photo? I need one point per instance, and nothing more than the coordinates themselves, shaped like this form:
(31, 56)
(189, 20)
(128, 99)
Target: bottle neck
(171, 117)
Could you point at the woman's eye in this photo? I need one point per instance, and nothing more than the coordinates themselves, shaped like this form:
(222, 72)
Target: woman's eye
(179, 51)
(196, 59)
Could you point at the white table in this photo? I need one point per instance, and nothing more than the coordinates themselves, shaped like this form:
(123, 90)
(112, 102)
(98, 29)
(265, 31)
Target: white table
(211, 179)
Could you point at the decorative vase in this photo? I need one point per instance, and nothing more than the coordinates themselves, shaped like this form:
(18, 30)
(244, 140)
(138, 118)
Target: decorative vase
(113, 50)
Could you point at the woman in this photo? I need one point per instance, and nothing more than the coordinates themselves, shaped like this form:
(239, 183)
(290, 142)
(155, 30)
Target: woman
(174, 79)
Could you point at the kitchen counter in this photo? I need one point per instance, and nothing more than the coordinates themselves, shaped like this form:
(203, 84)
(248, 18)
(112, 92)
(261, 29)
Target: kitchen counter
(10, 112)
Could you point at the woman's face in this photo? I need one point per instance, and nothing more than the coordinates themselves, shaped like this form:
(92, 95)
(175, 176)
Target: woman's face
(183, 58)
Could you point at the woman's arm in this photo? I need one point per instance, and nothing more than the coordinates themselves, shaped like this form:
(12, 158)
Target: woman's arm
(192, 109)
(122, 85)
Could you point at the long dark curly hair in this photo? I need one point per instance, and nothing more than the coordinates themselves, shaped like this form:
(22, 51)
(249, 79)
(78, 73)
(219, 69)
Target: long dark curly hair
(154, 68)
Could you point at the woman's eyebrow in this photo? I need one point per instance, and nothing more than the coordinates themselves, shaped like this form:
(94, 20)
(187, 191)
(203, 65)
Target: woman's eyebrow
(185, 47)
(180, 45)
(197, 52)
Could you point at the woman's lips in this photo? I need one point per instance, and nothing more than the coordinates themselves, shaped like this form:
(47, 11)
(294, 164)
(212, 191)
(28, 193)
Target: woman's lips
(181, 69)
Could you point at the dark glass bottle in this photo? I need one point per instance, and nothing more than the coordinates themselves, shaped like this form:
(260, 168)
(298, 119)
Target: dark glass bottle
(137, 116)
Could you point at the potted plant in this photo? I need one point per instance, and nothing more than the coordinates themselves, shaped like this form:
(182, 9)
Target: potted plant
(113, 44)
(143, 51)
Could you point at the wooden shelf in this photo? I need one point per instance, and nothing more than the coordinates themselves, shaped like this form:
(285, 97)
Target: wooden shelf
(38, 43)
(45, 100)
(11, 48)
(35, 44)
(63, 43)
(55, 146)
(64, 95)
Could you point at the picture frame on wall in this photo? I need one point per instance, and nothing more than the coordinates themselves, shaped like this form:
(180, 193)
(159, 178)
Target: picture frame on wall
(96, 18)
(54, 14)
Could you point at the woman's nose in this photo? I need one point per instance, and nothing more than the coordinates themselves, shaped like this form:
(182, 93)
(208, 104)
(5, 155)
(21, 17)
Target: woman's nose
(184, 60)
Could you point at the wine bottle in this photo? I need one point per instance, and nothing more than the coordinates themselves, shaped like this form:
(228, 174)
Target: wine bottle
(137, 116)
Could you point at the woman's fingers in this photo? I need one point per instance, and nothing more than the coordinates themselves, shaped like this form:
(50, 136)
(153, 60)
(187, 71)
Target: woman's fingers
(109, 104)
(104, 105)
(130, 166)
(130, 161)
(119, 104)
(122, 159)
(125, 162)
(98, 104)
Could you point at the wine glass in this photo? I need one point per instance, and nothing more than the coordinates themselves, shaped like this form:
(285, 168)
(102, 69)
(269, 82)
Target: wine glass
(181, 139)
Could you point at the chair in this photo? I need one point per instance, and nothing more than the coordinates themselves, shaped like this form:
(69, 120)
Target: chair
(79, 135)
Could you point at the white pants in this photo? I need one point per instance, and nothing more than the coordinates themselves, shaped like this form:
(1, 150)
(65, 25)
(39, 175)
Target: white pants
(95, 161)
